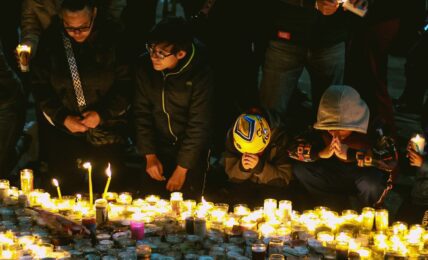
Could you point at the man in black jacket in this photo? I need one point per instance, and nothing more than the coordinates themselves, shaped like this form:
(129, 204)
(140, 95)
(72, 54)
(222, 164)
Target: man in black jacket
(95, 129)
(173, 110)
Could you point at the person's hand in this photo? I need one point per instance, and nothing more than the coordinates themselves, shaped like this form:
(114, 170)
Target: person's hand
(177, 179)
(360, 4)
(340, 149)
(73, 124)
(327, 152)
(249, 161)
(91, 119)
(415, 158)
(327, 7)
(154, 167)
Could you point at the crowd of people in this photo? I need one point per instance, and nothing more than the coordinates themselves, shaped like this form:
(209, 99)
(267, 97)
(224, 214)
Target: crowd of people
(184, 94)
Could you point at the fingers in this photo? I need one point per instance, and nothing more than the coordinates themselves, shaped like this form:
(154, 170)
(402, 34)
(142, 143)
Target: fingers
(155, 173)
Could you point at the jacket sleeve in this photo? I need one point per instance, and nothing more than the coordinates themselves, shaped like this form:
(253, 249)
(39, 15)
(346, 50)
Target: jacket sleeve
(48, 100)
(144, 120)
(382, 155)
(276, 172)
(198, 129)
(118, 98)
(306, 146)
(31, 29)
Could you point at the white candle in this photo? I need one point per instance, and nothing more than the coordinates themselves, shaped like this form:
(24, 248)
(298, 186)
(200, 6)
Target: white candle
(418, 144)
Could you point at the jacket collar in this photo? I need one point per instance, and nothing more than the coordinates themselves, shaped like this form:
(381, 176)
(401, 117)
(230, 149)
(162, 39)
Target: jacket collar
(186, 64)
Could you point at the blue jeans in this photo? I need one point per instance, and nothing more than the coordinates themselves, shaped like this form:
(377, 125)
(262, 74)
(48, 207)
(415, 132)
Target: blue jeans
(331, 181)
(284, 63)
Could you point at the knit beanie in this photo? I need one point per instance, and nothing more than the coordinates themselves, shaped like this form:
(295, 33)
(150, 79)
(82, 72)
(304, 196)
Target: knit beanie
(341, 108)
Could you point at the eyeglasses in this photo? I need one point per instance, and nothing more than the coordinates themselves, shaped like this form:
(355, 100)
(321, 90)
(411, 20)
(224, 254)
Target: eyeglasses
(158, 54)
(80, 29)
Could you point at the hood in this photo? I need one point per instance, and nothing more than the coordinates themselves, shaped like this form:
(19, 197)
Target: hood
(341, 108)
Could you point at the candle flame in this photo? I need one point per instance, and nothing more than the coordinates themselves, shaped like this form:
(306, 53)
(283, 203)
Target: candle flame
(23, 48)
(108, 171)
(55, 182)
(203, 200)
(87, 165)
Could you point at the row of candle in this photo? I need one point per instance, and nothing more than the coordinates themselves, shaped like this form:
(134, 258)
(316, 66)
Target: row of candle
(27, 247)
(274, 219)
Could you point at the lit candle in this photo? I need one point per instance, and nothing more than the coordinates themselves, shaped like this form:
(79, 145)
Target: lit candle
(367, 218)
(418, 143)
(58, 190)
(23, 52)
(326, 238)
(176, 202)
(269, 206)
(4, 189)
(415, 234)
(285, 208)
(27, 180)
(364, 253)
(399, 228)
(381, 219)
(108, 172)
(125, 198)
(137, 226)
(88, 166)
(241, 210)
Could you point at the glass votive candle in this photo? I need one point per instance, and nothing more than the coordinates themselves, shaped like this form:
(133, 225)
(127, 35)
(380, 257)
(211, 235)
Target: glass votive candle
(176, 202)
(111, 196)
(349, 216)
(364, 253)
(399, 228)
(241, 210)
(152, 199)
(124, 198)
(415, 234)
(326, 238)
(381, 219)
(285, 208)
(275, 246)
(4, 188)
(27, 180)
(139, 203)
(189, 205)
(367, 218)
(269, 207)
(258, 251)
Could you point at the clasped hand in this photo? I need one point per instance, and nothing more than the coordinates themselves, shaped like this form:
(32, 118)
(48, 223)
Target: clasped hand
(336, 148)
(76, 124)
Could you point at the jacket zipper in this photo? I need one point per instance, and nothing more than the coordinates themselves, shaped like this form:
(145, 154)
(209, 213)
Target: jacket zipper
(163, 93)
(165, 112)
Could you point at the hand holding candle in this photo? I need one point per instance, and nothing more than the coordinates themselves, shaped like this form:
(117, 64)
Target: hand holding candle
(108, 172)
(418, 144)
(55, 183)
(87, 165)
(23, 52)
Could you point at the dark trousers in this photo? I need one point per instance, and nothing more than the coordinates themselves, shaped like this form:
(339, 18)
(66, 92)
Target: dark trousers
(11, 122)
(63, 153)
(416, 74)
(367, 67)
(284, 64)
(331, 181)
(194, 184)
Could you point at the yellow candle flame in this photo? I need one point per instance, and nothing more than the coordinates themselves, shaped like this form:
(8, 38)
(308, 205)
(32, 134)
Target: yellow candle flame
(108, 171)
(87, 165)
(55, 182)
(23, 48)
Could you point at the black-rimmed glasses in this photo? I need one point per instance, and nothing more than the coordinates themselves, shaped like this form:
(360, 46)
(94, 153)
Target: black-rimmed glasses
(158, 54)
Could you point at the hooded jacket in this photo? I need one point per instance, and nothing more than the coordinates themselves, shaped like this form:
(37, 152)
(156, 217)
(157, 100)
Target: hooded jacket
(173, 108)
(341, 108)
(274, 166)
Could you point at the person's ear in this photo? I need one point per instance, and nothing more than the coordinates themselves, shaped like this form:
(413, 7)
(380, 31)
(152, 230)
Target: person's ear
(181, 54)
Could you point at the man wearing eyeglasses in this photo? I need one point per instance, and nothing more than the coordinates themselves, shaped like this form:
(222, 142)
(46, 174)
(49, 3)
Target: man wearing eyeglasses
(82, 85)
(173, 110)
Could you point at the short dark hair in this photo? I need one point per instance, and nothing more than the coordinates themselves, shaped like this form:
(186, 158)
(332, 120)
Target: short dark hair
(77, 5)
(174, 31)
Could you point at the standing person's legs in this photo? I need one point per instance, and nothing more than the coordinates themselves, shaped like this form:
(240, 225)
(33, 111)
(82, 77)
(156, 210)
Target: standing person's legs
(368, 65)
(281, 72)
(326, 67)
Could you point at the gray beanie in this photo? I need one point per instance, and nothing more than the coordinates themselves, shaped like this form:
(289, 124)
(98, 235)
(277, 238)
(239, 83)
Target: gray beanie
(341, 108)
